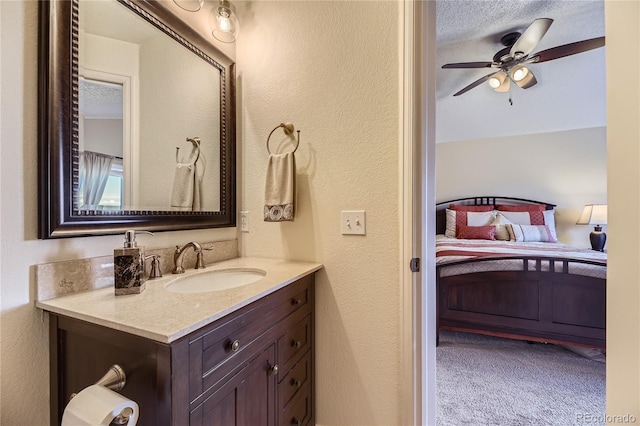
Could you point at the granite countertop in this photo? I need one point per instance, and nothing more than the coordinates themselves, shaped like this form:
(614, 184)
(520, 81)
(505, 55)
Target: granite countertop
(164, 316)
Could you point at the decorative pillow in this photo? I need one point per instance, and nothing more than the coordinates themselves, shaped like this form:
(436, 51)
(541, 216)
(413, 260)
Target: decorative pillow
(463, 208)
(530, 233)
(456, 218)
(476, 232)
(501, 222)
(523, 208)
(534, 218)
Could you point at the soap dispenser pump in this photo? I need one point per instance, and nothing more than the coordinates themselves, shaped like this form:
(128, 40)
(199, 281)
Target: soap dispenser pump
(128, 266)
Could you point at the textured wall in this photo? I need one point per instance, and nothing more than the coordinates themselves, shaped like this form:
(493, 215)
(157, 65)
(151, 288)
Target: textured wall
(23, 329)
(178, 99)
(332, 69)
(623, 135)
(564, 168)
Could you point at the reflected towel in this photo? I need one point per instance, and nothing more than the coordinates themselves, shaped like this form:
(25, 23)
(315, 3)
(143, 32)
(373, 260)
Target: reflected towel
(187, 185)
(280, 188)
(183, 186)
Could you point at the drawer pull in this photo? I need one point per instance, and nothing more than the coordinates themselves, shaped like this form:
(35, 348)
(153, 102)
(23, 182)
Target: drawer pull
(296, 421)
(274, 370)
(296, 343)
(296, 301)
(235, 345)
(296, 383)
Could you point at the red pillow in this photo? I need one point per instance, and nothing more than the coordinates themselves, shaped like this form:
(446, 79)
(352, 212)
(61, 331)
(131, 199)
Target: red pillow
(476, 232)
(463, 208)
(524, 208)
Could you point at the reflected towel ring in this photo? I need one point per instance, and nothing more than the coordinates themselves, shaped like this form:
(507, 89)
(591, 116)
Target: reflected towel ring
(196, 143)
(288, 130)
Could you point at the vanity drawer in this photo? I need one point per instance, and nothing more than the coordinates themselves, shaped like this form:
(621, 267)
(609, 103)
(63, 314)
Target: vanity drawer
(298, 411)
(295, 342)
(296, 379)
(216, 352)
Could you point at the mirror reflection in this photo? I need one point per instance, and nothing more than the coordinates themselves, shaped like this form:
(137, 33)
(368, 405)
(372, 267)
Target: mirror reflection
(144, 144)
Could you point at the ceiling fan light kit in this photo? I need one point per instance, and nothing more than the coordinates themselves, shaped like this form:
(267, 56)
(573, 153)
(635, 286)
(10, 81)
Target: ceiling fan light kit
(513, 58)
(500, 81)
(519, 73)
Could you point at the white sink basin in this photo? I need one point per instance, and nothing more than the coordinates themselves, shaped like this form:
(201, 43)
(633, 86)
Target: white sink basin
(221, 279)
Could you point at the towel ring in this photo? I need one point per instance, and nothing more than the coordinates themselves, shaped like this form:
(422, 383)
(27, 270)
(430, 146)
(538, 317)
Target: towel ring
(196, 143)
(288, 130)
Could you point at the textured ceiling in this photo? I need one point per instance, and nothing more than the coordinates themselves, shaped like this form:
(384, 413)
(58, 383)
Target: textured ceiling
(570, 93)
(100, 100)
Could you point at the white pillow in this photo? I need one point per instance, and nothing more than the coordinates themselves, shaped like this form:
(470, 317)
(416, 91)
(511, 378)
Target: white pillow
(530, 233)
(525, 218)
(466, 218)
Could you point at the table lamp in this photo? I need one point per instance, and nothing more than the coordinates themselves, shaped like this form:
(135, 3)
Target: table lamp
(595, 214)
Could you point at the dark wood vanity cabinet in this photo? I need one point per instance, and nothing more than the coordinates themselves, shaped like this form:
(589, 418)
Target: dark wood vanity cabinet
(251, 367)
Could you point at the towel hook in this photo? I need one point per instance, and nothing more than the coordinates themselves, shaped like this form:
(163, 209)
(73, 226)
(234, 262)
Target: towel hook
(196, 144)
(288, 130)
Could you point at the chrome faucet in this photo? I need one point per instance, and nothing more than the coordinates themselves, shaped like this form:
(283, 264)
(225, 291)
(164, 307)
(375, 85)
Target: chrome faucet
(178, 256)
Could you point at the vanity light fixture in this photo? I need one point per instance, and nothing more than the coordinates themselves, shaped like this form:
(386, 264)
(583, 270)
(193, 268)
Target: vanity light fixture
(223, 22)
(189, 5)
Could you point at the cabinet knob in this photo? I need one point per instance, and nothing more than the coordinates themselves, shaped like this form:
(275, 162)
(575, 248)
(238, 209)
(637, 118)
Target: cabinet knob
(296, 421)
(296, 383)
(274, 370)
(295, 301)
(296, 343)
(235, 345)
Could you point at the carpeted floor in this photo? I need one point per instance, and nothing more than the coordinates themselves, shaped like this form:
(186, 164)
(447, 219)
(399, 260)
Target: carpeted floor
(484, 380)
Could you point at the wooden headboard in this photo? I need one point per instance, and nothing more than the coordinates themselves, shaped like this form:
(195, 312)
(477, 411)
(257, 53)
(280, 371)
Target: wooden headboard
(441, 216)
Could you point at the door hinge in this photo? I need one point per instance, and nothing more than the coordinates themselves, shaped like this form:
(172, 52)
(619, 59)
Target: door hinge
(415, 264)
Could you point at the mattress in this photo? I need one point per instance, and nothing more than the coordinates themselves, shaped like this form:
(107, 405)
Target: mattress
(449, 250)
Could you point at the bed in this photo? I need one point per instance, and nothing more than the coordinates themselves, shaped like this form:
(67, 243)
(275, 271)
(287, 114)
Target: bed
(529, 290)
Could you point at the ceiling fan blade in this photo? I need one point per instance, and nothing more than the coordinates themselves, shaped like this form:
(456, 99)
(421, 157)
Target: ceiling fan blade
(531, 37)
(468, 65)
(528, 81)
(478, 82)
(569, 49)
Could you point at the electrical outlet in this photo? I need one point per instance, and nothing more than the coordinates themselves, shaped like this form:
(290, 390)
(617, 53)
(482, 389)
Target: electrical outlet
(244, 221)
(353, 222)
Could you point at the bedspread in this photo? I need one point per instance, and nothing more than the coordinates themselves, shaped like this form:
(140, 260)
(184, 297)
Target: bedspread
(452, 250)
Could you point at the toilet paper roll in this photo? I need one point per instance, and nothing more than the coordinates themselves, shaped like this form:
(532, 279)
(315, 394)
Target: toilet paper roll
(97, 406)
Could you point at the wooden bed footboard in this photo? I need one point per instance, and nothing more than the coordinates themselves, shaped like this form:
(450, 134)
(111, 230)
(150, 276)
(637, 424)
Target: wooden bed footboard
(544, 303)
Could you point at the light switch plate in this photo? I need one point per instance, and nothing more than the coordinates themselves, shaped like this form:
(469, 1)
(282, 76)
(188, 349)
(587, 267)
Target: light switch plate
(244, 221)
(353, 222)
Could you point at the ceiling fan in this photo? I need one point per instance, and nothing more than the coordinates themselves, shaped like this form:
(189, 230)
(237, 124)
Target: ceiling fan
(513, 59)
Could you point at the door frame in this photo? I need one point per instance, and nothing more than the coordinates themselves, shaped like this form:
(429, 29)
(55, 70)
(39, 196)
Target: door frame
(417, 160)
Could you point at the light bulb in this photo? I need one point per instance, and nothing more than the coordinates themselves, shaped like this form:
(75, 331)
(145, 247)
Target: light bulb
(520, 73)
(223, 22)
(494, 82)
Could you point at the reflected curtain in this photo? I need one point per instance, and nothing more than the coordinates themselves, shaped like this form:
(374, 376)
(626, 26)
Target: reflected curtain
(94, 173)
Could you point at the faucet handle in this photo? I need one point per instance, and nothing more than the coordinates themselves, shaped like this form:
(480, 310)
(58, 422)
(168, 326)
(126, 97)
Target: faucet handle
(156, 271)
(200, 259)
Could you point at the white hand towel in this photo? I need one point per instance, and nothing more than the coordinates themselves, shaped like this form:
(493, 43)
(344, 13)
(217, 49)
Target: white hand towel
(280, 188)
(183, 186)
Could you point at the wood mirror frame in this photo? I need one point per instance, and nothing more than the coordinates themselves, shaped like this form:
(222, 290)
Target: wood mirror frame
(59, 215)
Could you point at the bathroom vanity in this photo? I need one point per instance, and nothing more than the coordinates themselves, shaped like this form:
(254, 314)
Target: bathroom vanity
(241, 356)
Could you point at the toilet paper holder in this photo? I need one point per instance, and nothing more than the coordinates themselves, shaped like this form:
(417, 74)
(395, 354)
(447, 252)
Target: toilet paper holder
(114, 379)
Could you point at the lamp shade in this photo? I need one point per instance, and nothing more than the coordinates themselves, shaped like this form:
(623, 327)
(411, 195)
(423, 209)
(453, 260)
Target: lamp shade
(593, 214)
(224, 22)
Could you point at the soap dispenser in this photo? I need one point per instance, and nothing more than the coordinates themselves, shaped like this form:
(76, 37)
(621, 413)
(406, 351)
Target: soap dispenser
(128, 266)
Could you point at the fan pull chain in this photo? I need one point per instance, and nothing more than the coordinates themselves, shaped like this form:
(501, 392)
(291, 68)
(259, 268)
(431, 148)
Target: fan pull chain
(510, 101)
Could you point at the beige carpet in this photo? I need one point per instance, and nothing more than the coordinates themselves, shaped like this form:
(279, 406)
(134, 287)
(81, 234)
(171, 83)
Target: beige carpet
(483, 380)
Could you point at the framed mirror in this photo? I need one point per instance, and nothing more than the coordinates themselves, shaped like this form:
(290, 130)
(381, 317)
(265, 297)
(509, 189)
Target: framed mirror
(136, 121)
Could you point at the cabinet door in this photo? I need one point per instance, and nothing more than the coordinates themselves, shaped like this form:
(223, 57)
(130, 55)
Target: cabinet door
(248, 399)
